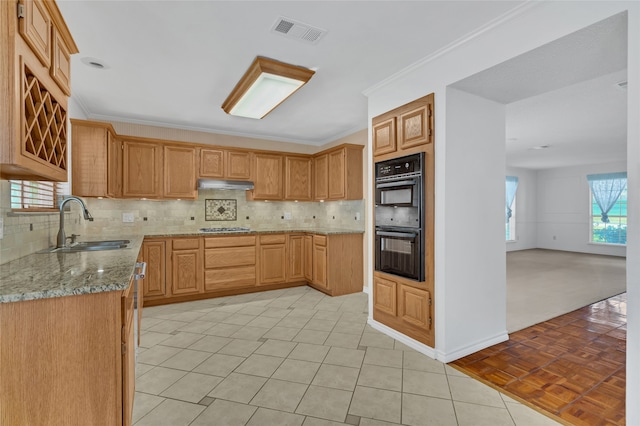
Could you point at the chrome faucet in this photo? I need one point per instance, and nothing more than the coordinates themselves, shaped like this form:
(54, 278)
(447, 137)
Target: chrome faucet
(62, 237)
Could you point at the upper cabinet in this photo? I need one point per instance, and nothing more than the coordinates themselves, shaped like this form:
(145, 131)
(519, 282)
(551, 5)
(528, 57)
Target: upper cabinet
(268, 171)
(297, 178)
(35, 72)
(179, 172)
(225, 164)
(338, 173)
(404, 130)
(142, 170)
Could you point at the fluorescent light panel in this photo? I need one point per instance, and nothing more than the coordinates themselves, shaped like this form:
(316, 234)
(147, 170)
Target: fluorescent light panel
(265, 85)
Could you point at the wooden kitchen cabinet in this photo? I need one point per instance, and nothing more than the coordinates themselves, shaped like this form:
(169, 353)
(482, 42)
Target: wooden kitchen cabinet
(297, 178)
(186, 266)
(225, 164)
(154, 253)
(338, 173)
(337, 263)
(142, 169)
(296, 257)
(401, 130)
(128, 354)
(320, 261)
(179, 172)
(35, 66)
(96, 160)
(272, 259)
(229, 262)
(268, 172)
(308, 258)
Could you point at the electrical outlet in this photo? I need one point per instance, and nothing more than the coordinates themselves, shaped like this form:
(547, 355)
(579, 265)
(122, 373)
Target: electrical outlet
(357, 215)
(127, 217)
(287, 215)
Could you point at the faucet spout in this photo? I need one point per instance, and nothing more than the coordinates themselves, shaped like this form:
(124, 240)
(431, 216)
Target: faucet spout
(61, 240)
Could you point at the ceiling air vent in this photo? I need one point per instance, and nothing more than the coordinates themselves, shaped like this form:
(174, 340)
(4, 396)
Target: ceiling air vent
(296, 30)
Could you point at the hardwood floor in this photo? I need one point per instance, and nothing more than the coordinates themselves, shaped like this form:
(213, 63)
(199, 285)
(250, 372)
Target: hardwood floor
(571, 367)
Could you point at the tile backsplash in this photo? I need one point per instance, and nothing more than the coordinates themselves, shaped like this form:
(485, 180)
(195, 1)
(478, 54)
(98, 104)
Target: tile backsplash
(27, 233)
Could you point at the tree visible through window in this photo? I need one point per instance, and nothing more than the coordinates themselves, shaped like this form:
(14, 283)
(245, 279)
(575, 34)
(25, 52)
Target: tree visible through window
(608, 208)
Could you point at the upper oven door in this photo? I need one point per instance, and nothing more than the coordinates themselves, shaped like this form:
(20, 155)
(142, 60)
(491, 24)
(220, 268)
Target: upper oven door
(402, 192)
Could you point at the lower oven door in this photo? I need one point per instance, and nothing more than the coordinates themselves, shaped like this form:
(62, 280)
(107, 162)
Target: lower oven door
(399, 252)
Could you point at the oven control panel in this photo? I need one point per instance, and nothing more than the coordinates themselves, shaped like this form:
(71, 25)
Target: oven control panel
(398, 166)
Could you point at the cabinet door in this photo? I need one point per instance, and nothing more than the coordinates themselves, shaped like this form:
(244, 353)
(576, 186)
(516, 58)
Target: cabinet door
(89, 160)
(273, 259)
(296, 258)
(308, 258)
(114, 166)
(320, 262)
(142, 170)
(321, 177)
(414, 127)
(384, 295)
(384, 136)
(35, 28)
(212, 163)
(128, 361)
(268, 173)
(337, 179)
(297, 177)
(61, 63)
(238, 165)
(414, 306)
(186, 275)
(154, 282)
(180, 172)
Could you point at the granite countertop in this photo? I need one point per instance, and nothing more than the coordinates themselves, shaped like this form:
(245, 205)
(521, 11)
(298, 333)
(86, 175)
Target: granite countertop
(198, 233)
(48, 275)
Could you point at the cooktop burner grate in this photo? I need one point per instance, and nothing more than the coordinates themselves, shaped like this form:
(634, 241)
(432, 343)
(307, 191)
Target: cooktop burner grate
(234, 229)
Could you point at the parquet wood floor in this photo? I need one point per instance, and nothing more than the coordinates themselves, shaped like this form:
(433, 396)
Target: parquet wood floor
(571, 367)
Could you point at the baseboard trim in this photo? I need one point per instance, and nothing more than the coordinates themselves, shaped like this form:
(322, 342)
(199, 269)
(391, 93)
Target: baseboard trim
(475, 347)
(404, 339)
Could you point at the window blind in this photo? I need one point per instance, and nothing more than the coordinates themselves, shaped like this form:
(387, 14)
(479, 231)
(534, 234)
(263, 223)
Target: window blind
(36, 195)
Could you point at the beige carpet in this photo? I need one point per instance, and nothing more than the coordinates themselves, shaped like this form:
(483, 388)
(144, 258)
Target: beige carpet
(542, 284)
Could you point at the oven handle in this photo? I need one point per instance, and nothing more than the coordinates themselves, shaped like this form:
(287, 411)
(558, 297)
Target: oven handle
(397, 234)
(396, 183)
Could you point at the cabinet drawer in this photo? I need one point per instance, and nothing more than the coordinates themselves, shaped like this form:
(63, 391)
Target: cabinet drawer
(319, 240)
(222, 279)
(186, 244)
(229, 256)
(272, 239)
(248, 240)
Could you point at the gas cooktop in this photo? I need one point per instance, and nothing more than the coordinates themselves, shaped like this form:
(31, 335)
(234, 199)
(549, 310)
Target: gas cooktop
(235, 229)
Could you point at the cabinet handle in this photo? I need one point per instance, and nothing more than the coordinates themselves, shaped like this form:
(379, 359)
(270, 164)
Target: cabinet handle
(141, 267)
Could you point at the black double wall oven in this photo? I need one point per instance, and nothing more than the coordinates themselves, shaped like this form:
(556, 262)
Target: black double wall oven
(399, 216)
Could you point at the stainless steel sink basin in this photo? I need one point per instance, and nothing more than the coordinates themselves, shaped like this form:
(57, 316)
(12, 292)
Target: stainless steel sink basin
(89, 246)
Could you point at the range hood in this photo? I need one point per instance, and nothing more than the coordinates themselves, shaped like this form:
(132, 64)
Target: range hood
(224, 184)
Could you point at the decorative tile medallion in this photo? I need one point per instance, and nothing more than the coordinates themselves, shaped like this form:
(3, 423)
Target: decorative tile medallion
(220, 209)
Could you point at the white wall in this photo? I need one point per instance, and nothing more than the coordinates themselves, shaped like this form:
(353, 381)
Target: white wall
(525, 211)
(563, 209)
(498, 42)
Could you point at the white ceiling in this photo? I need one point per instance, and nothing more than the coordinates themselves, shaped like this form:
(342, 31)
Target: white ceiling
(172, 64)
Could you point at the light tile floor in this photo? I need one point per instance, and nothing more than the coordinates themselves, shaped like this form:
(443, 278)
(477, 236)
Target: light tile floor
(298, 357)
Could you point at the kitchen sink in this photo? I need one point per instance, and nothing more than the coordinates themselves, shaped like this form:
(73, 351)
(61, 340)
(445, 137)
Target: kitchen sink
(89, 246)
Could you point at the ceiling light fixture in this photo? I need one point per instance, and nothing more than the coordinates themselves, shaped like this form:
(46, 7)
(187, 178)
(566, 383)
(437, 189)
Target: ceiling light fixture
(95, 63)
(265, 85)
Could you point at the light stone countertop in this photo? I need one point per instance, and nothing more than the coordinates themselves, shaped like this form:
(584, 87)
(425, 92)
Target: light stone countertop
(48, 275)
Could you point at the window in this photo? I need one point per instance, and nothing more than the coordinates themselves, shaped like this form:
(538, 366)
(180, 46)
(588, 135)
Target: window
(510, 226)
(36, 195)
(511, 186)
(608, 208)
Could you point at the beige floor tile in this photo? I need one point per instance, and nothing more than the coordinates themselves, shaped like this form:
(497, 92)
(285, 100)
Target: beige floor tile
(157, 354)
(264, 417)
(376, 340)
(309, 352)
(260, 365)
(239, 319)
(525, 416)
(158, 379)
(222, 330)
(354, 317)
(149, 339)
(292, 321)
(196, 326)
(280, 395)
(143, 403)
(294, 370)
(276, 348)
(281, 333)
(216, 316)
(238, 388)
(427, 384)
(336, 377)
(349, 327)
(168, 326)
(192, 387)
(240, 347)
(187, 360)
(249, 333)
(225, 413)
(469, 390)
(417, 361)
(142, 368)
(311, 336)
(481, 415)
(342, 340)
(275, 313)
(373, 422)
(330, 404)
(210, 344)
(264, 322)
(171, 413)
(345, 357)
(189, 315)
(301, 312)
(219, 365)
(313, 421)
(252, 310)
(148, 321)
(454, 372)
(375, 376)
(320, 324)
(383, 357)
(182, 340)
(399, 346)
(426, 411)
(376, 404)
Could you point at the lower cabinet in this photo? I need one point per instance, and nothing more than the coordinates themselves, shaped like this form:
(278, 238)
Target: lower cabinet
(319, 261)
(229, 262)
(154, 253)
(403, 305)
(296, 257)
(273, 259)
(337, 263)
(308, 258)
(128, 354)
(186, 266)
